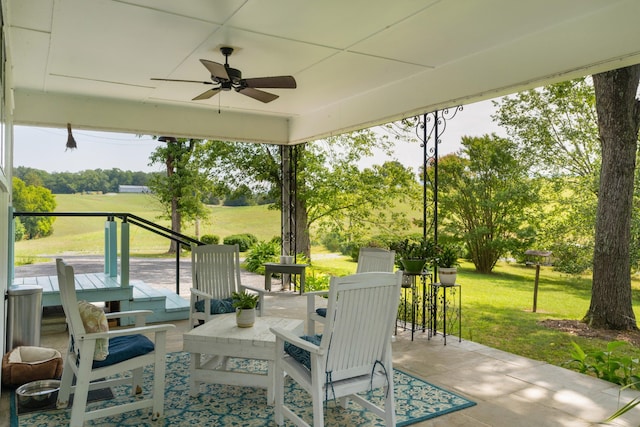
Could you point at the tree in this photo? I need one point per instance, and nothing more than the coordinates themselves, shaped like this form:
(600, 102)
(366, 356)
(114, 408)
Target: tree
(557, 125)
(332, 192)
(241, 196)
(485, 199)
(30, 198)
(555, 128)
(180, 190)
(619, 122)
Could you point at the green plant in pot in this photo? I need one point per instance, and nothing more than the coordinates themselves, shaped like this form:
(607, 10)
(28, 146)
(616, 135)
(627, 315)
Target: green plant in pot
(447, 260)
(414, 254)
(245, 304)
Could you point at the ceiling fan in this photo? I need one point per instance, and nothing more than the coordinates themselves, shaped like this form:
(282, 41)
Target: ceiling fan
(228, 78)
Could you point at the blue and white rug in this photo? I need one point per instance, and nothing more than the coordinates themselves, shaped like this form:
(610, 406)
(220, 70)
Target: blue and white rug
(220, 405)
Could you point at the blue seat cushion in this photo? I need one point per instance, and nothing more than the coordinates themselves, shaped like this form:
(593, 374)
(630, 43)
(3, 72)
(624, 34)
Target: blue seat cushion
(299, 354)
(125, 348)
(321, 312)
(218, 306)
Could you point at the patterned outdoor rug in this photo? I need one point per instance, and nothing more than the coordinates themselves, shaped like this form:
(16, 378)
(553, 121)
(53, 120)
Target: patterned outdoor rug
(220, 405)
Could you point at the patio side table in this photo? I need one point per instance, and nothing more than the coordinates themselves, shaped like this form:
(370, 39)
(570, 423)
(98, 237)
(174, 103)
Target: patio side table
(293, 269)
(446, 310)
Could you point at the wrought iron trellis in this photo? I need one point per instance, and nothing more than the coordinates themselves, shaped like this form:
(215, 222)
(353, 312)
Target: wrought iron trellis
(288, 175)
(429, 129)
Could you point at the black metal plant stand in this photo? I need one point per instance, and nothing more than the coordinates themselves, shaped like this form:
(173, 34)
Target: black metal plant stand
(416, 302)
(429, 129)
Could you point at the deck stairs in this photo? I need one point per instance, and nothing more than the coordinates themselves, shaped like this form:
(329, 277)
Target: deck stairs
(165, 304)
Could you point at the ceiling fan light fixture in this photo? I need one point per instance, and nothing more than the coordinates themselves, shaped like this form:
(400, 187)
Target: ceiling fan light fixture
(231, 78)
(167, 139)
(71, 142)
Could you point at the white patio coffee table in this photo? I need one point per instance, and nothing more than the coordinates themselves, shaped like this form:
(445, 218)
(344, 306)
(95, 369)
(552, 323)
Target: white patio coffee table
(214, 342)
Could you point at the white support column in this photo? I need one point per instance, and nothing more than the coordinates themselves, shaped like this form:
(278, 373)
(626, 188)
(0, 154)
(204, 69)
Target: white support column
(111, 248)
(124, 254)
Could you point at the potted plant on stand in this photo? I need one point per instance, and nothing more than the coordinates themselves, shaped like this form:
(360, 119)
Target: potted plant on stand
(414, 254)
(447, 265)
(245, 305)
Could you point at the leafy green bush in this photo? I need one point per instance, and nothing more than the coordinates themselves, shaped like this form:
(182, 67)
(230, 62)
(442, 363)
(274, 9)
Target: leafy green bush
(315, 281)
(210, 239)
(621, 370)
(19, 229)
(260, 253)
(572, 258)
(244, 241)
(276, 239)
(331, 241)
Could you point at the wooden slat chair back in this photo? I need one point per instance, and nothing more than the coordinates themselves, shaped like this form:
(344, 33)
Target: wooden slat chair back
(369, 260)
(375, 259)
(216, 276)
(129, 352)
(354, 353)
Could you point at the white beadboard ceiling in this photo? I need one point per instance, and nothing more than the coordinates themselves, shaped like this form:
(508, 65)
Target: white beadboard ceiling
(357, 63)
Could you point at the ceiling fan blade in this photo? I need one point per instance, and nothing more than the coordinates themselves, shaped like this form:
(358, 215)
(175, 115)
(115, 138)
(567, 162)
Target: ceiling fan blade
(183, 81)
(206, 95)
(278, 82)
(216, 70)
(258, 94)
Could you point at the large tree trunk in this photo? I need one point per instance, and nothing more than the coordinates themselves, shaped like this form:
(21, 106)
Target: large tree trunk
(618, 121)
(303, 242)
(175, 211)
(176, 221)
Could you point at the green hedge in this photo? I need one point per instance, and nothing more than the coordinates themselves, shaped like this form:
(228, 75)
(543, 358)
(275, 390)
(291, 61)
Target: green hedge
(244, 241)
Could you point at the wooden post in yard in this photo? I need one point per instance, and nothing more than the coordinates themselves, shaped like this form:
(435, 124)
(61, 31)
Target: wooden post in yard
(535, 288)
(539, 256)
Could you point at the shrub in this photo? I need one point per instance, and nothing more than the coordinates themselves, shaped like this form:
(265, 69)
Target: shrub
(571, 258)
(331, 241)
(19, 229)
(260, 253)
(276, 239)
(621, 370)
(316, 282)
(244, 241)
(210, 239)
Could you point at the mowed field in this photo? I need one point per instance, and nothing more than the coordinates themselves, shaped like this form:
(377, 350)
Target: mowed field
(85, 235)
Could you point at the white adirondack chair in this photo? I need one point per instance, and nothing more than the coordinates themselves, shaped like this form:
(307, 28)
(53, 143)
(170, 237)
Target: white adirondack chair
(129, 351)
(354, 354)
(216, 275)
(369, 260)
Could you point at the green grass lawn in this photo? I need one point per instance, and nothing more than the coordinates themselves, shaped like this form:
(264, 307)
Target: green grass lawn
(85, 235)
(496, 308)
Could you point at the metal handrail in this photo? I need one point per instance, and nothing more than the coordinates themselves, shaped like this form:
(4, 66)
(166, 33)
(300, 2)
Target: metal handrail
(130, 218)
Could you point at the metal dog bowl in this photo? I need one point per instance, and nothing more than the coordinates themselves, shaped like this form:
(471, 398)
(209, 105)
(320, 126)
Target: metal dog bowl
(37, 394)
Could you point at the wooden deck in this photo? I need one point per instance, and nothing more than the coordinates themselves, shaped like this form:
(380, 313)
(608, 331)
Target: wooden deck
(100, 287)
(91, 287)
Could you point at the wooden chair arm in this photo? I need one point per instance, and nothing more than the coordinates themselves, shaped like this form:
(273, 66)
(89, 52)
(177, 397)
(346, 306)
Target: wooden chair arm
(138, 315)
(257, 290)
(198, 293)
(288, 336)
(128, 331)
(311, 299)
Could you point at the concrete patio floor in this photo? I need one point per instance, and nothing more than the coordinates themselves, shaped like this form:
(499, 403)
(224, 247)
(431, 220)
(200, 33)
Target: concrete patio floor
(509, 390)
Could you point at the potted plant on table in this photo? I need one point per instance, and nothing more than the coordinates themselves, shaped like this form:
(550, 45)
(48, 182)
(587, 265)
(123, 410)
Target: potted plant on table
(245, 304)
(447, 261)
(414, 254)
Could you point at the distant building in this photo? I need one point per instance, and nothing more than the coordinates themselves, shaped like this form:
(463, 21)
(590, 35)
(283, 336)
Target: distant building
(133, 189)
